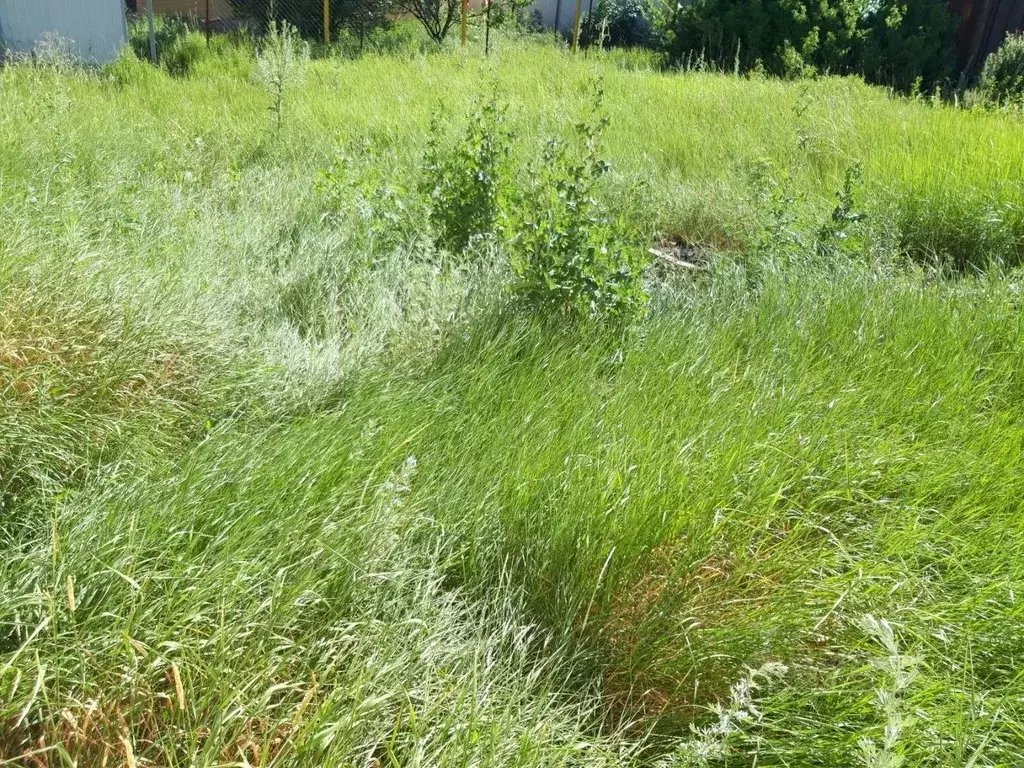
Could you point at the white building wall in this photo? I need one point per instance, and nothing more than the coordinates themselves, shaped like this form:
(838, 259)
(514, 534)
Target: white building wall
(96, 28)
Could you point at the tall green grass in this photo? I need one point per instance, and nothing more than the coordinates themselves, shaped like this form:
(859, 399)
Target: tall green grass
(282, 486)
(582, 532)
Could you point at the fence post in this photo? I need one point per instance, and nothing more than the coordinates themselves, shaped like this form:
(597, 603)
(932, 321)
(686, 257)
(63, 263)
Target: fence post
(487, 32)
(327, 22)
(207, 23)
(576, 25)
(152, 31)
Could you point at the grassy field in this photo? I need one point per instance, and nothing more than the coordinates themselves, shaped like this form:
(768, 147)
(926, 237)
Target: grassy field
(281, 484)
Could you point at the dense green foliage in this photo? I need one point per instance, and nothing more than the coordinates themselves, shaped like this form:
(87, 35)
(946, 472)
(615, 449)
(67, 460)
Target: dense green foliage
(622, 23)
(572, 256)
(891, 42)
(282, 485)
(909, 44)
(783, 37)
(1002, 79)
(178, 48)
(468, 182)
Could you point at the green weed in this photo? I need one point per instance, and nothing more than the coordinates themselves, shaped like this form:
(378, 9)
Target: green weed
(468, 183)
(569, 256)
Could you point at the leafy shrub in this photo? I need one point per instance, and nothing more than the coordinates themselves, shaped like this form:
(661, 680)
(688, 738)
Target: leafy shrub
(467, 183)
(569, 255)
(908, 42)
(1002, 79)
(166, 29)
(512, 14)
(361, 17)
(617, 23)
(365, 196)
(401, 37)
(792, 64)
(127, 69)
(779, 235)
(178, 48)
(183, 53)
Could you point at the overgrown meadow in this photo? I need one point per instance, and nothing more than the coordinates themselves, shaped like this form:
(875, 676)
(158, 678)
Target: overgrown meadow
(548, 410)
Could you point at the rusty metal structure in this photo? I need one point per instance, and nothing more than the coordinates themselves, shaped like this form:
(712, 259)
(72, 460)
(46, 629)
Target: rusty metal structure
(984, 25)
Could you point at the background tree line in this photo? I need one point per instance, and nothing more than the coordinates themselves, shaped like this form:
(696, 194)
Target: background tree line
(906, 44)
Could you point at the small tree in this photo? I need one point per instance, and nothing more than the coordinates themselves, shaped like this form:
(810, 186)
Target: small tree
(436, 16)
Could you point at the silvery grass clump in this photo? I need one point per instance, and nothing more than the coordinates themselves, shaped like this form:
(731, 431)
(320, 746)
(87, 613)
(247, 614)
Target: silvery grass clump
(52, 51)
(712, 743)
(55, 52)
(898, 673)
(280, 64)
(741, 714)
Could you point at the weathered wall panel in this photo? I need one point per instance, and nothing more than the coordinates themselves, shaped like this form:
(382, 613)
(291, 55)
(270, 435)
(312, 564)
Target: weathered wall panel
(984, 25)
(95, 28)
(219, 9)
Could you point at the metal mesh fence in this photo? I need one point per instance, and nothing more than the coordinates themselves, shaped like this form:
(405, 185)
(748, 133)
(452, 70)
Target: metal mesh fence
(315, 20)
(351, 26)
(168, 31)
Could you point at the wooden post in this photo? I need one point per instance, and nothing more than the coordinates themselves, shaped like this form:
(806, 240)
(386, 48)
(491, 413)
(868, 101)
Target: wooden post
(152, 31)
(487, 27)
(327, 22)
(207, 23)
(465, 20)
(576, 25)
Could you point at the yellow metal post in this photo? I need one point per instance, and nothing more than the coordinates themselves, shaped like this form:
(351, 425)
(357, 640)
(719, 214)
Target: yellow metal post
(327, 22)
(465, 20)
(576, 25)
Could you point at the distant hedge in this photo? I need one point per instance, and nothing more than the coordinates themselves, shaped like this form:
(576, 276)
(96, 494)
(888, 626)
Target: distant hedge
(902, 43)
